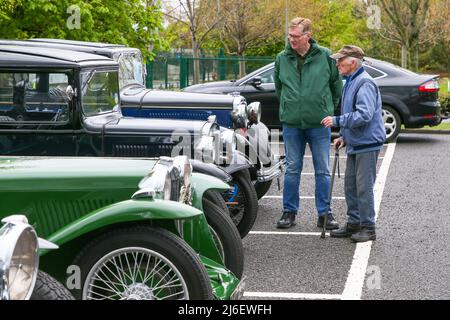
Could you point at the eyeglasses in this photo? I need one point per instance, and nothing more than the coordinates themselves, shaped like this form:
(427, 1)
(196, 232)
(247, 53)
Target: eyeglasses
(295, 36)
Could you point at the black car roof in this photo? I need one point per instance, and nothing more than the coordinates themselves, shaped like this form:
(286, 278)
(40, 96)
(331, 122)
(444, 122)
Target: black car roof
(48, 57)
(104, 49)
(18, 60)
(78, 43)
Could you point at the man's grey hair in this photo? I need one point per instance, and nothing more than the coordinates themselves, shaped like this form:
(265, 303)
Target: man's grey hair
(359, 62)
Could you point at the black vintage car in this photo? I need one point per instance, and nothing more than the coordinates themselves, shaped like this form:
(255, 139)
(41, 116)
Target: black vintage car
(408, 98)
(57, 102)
(231, 111)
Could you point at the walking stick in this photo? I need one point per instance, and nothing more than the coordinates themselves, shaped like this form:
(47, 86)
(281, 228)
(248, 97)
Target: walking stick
(335, 164)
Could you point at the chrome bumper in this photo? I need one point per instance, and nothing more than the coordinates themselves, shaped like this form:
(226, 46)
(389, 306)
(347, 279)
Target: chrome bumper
(268, 174)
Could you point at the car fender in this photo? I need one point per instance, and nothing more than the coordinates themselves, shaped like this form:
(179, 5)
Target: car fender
(201, 183)
(211, 170)
(124, 211)
(398, 105)
(238, 163)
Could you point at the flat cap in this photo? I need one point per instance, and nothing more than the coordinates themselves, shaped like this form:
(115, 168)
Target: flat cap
(349, 51)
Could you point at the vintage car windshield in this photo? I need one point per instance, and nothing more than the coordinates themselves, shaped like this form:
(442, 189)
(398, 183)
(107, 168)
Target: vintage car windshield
(131, 69)
(100, 91)
(33, 97)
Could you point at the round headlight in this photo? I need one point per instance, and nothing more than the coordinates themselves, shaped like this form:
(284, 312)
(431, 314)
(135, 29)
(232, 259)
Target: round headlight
(19, 260)
(229, 141)
(228, 138)
(239, 113)
(166, 179)
(207, 146)
(157, 181)
(254, 112)
(185, 168)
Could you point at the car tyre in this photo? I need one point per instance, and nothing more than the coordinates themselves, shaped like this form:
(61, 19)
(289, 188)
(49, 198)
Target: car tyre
(106, 257)
(392, 123)
(216, 197)
(243, 205)
(48, 288)
(226, 236)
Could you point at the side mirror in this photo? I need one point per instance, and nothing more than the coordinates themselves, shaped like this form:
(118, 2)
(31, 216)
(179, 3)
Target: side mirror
(256, 81)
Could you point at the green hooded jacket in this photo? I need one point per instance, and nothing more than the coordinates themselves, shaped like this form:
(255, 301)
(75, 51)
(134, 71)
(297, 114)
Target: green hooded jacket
(307, 98)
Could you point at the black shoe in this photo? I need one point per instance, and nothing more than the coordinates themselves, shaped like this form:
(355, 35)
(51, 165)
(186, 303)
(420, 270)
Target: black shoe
(331, 222)
(287, 220)
(365, 234)
(348, 230)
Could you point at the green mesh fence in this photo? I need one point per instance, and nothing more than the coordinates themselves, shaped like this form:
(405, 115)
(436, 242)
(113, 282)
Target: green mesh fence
(176, 71)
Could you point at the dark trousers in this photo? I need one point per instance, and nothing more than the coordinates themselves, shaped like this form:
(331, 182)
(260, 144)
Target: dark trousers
(360, 176)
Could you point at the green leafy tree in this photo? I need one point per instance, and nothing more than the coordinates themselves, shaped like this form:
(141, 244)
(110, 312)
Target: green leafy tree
(201, 18)
(133, 22)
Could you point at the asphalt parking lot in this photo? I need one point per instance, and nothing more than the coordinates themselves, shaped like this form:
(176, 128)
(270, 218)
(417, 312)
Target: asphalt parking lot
(298, 264)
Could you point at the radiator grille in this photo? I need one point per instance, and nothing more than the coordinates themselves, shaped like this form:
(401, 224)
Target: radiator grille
(50, 216)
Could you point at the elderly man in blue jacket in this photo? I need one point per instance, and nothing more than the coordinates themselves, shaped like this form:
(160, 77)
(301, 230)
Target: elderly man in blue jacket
(363, 134)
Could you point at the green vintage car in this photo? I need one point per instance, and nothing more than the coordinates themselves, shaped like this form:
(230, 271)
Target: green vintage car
(128, 228)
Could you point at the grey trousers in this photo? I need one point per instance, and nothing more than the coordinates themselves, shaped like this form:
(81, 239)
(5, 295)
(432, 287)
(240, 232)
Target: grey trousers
(360, 176)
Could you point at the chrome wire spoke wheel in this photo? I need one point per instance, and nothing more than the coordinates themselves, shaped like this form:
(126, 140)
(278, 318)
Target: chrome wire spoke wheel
(218, 243)
(390, 123)
(237, 210)
(134, 273)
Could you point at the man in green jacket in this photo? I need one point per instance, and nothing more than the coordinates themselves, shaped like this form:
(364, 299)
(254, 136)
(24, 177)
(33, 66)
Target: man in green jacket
(309, 87)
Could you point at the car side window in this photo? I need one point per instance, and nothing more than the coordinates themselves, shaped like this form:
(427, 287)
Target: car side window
(33, 97)
(267, 76)
(100, 92)
(373, 72)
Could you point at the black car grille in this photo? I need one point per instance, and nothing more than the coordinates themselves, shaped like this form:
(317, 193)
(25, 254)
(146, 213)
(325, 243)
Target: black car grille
(131, 150)
(175, 187)
(142, 150)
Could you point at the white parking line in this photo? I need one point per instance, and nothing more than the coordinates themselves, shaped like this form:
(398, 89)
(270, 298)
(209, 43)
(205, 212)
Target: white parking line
(286, 295)
(288, 233)
(302, 197)
(356, 275)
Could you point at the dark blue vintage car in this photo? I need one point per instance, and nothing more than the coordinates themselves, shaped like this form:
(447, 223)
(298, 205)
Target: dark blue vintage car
(231, 111)
(56, 102)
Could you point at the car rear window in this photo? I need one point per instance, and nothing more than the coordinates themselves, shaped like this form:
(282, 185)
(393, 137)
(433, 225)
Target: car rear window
(374, 73)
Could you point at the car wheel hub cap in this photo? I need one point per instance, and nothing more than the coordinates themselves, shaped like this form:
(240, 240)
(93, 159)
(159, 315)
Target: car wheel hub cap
(138, 291)
(389, 123)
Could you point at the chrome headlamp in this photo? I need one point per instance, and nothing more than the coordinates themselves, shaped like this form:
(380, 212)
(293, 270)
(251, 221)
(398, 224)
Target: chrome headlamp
(207, 147)
(239, 114)
(170, 179)
(19, 258)
(254, 112)
(229, 142)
